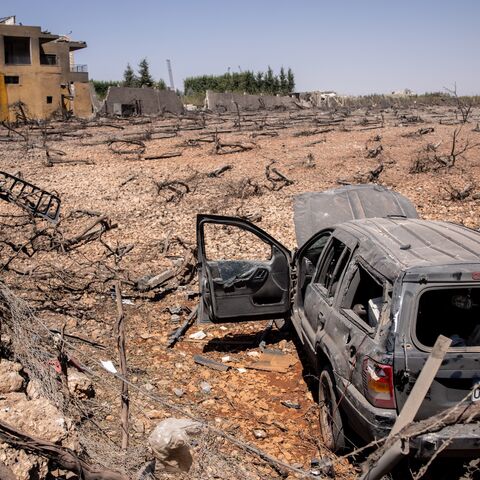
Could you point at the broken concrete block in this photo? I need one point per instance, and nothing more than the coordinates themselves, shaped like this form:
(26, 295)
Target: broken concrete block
(170, 443)
(10, 378)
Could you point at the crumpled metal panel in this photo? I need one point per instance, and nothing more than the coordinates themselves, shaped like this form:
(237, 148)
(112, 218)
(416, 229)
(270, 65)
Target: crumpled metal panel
(315, 211)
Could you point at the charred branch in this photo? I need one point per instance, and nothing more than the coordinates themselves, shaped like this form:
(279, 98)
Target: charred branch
(277, 179)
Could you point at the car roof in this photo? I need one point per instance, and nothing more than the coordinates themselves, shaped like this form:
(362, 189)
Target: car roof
(395, 245)
(315, 211)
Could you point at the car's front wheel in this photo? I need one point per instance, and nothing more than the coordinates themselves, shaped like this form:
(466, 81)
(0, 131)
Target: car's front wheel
(331, 426)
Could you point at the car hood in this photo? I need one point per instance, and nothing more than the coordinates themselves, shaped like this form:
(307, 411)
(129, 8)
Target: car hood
(314, 211)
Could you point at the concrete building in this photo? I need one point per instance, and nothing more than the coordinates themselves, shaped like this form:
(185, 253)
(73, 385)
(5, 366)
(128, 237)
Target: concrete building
(126, 101)
(37, 70)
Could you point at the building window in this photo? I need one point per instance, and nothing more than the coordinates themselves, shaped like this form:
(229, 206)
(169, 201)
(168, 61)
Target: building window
(12, 79)
(17, 50)
(45, 57)
(48, 59)
(49, 99)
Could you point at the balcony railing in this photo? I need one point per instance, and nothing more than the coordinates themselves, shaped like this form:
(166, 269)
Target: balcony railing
(79, 68)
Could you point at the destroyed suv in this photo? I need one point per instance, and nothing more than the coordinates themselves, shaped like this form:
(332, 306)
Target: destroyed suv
(369, 290)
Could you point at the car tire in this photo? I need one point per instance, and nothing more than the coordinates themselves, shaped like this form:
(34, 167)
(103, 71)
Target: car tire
(331, 425)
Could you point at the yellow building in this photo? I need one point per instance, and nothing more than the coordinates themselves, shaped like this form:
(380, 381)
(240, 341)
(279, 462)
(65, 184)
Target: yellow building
(37, 75)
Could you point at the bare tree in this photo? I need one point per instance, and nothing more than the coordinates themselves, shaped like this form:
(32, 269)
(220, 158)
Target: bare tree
(463, 106)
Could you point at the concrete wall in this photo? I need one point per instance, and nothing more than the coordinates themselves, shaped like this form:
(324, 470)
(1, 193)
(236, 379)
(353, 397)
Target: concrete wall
(38, 81)
(82, 103)
(225, 102)
(149, 100)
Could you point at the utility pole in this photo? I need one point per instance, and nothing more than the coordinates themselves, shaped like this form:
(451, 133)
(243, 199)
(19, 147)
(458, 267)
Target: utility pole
(170, 74)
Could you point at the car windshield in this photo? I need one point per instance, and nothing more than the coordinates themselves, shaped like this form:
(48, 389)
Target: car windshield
(452, 312)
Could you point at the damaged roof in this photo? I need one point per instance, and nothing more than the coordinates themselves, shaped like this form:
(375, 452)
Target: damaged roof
(393, 245)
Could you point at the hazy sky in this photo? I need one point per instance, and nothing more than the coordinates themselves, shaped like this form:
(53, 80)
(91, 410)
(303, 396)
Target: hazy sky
(350, 46)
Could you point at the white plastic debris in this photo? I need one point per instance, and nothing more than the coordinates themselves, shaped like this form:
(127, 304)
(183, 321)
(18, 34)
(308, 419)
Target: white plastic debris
(108, 366)
(170, 443)
(226, 359)
(242, 370)
(198, 335)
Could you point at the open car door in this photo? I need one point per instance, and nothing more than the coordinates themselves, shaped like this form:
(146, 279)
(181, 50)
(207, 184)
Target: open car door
(244, 273)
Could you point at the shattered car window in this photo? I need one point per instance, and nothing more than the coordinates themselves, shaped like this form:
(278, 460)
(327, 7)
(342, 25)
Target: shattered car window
(453, 312)
(364, 297)
(227, 242)
(334, 264)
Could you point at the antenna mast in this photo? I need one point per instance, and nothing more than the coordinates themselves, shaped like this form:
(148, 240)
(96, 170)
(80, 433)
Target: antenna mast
(170, 74)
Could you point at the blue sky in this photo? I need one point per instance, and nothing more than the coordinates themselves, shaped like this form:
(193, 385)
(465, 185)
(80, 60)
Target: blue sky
(350, 46)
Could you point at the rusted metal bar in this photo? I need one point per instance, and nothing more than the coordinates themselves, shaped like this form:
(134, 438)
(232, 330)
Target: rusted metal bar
(120, 331)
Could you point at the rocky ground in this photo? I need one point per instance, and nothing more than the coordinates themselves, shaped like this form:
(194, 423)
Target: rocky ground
(152, 205)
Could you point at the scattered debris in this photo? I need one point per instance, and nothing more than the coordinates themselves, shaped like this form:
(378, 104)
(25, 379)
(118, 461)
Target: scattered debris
(180, 331)
(273, 361)
(208, 362)
(290, 404)
(66, 270)
(200, 335)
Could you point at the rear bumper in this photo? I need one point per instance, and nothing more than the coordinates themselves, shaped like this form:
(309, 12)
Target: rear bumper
(464, 442)
(372, 423)
(369, 422)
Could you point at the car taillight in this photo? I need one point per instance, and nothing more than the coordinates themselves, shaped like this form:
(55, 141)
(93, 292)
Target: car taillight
(378, 384)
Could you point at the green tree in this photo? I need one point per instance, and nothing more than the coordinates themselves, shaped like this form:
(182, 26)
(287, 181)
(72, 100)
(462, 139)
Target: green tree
(129, 77)
(268, 81)
(145, 79)
(283, 82)
(290, 81)
(250, 84)
(101, 87)
(276, 85)
(259, 82)
(161, 85)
